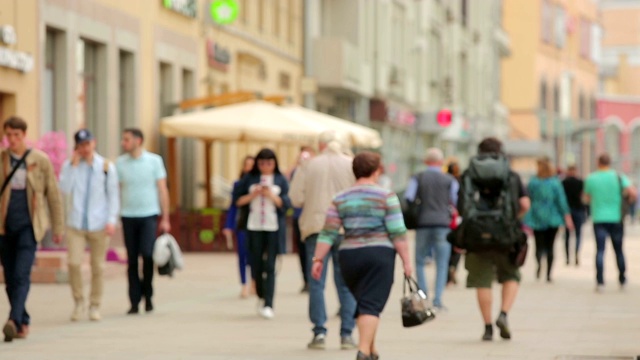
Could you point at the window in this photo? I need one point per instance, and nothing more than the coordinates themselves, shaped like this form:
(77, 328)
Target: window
(127, 93)
(166, 89)
(560, 27)
(51, 98)
(556, 99)
(464, 10)
(585, 39)
(188, 84)
(547, 22)
(593, 107)
(582, 110)
(596, 43)
(285, 81)
(276, 18)
(91, 103)
(543, 96)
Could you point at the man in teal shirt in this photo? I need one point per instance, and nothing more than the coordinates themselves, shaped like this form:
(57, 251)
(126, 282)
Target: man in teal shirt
(605, 190)
(145, 200)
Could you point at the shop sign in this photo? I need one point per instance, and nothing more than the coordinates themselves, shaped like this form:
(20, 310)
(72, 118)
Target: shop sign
(224, 12)
(184, 7)
(10, 58)
(217, 56)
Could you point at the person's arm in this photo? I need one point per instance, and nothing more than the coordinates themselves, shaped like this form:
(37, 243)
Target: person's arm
(66, 178)
(453, 192)
(284, 194)
(524, 204)
(54, 201)
(113, 194)
(163, 195)
(232, 212)
(630, 191)
(412, 189)
(563, 205)
(296, 191)
(394, 222)
(326, 239)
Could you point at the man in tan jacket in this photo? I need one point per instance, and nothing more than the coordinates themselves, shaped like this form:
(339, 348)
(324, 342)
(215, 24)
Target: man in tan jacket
(27, 201)
(312, 189)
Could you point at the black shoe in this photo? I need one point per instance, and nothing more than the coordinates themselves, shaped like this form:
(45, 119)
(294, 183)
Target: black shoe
(488, 333)
(362, 356)
(577, 262)
(305, 289)
(133, 311)
(502, 324)
(148, 305)
(538, 273)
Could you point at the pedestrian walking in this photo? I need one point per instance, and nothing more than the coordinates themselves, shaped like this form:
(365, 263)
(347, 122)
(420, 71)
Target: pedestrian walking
(236, 222)
(606, 191)
(313, 189)
(453, 169)
(266, 191)
(490, 187)
(437, 192)
(90, 183)
(374, 232)
(549, 210)
(573, 188)
(31, 202)
(144, 201)
(306, 153)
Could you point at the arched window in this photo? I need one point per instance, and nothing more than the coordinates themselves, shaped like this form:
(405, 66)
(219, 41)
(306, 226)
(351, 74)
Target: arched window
(556, 99)
(543, 95)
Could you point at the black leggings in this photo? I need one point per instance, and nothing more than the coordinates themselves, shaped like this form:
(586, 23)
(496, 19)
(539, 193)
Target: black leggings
(263, 249)
(544, 244)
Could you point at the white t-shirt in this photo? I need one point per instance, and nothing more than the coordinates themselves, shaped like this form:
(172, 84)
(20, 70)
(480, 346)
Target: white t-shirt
(263, 214)
(19, 180)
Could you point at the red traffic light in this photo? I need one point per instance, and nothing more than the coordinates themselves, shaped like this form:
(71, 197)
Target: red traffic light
(444, 117)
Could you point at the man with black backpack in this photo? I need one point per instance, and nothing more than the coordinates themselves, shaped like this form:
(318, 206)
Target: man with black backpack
(492, 200)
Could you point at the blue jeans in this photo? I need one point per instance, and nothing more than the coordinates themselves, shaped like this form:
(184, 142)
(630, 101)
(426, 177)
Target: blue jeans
(427, 238)
(17, 252)
(243, 255)
(616, 232)
(317, 309)
(578, 216)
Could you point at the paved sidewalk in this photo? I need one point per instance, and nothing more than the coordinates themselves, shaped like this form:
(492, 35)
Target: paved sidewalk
(199, 316)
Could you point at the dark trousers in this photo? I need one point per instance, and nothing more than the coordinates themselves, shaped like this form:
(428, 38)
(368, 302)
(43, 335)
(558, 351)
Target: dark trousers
(544, 245)
(302, 251)
(578, 216)
(263, 249)
(139, 238)
(17, 253)
(616, 232)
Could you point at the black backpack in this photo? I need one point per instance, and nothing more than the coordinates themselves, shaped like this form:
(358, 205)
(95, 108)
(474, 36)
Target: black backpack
(488, 204)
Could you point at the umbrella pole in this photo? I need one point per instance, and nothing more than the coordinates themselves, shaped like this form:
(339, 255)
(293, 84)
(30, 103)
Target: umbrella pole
(173, 178)
(207, 172)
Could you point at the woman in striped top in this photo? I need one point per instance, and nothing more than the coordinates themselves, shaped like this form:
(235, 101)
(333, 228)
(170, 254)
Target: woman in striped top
(374, 231)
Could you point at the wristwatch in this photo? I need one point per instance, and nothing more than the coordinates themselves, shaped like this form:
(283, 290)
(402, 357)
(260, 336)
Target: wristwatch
(315, 259)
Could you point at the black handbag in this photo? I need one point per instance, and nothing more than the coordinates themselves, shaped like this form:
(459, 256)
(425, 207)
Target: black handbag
(415, 310)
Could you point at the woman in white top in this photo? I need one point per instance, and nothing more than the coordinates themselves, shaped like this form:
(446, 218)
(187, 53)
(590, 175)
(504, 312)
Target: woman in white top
(265, 191)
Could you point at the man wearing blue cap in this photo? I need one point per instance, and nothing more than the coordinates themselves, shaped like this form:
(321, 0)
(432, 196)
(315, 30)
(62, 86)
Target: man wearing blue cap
(91, 184)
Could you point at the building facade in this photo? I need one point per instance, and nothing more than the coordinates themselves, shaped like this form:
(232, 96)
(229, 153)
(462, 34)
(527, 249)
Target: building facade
(19, 73)
(550, 82)
(394, 64)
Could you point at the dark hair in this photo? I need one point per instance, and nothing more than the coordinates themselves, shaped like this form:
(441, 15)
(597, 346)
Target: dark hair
(365, 164)
(265, 154)
(248, 157)
(137, 133)
(15, 123)
(604, 160)
(490, 145)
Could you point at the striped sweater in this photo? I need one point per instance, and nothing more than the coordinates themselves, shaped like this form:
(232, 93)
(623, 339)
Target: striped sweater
(370, 216)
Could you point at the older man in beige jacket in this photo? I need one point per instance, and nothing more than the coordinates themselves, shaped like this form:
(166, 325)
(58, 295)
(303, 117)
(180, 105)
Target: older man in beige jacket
(313, 189)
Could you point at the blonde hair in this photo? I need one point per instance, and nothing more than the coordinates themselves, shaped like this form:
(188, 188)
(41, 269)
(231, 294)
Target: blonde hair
(545, 168)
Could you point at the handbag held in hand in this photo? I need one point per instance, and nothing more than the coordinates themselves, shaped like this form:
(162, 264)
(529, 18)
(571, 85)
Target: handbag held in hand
(415, 310)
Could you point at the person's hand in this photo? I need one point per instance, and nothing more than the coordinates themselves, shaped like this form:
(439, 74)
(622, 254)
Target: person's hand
(165, 225)
(57, 239)
(257, 191)
(316, 269)
(458, 250)
(227, 232)
(408, 270)
(266, 192)
(110, 229)
(75, 158)
(569, 225)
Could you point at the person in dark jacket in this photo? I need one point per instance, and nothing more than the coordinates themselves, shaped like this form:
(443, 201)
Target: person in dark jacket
(266, 191)
(573, 188)
(234, 224)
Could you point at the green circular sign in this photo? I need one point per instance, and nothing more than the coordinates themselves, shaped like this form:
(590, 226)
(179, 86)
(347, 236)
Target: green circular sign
(224, 11)
(206, 236)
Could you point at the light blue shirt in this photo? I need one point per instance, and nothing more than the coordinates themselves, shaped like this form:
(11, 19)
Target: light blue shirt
(139, 184)
(93, 201)
(412, 187)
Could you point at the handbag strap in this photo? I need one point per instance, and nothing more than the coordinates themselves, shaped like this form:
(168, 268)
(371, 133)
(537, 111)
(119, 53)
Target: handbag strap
(13, 171)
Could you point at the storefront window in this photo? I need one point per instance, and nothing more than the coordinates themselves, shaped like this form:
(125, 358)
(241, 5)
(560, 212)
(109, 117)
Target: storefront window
(127, 90)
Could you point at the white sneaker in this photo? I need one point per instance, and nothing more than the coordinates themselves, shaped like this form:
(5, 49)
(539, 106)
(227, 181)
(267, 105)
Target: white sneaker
(94, 314)
(78, 311)
(267, 313)
(600, 289)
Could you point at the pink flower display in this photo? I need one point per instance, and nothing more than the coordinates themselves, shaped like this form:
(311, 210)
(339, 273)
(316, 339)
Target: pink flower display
(54, 144)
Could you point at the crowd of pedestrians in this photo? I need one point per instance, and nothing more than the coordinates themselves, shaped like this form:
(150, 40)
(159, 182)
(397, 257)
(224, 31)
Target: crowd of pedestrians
(344, 213)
